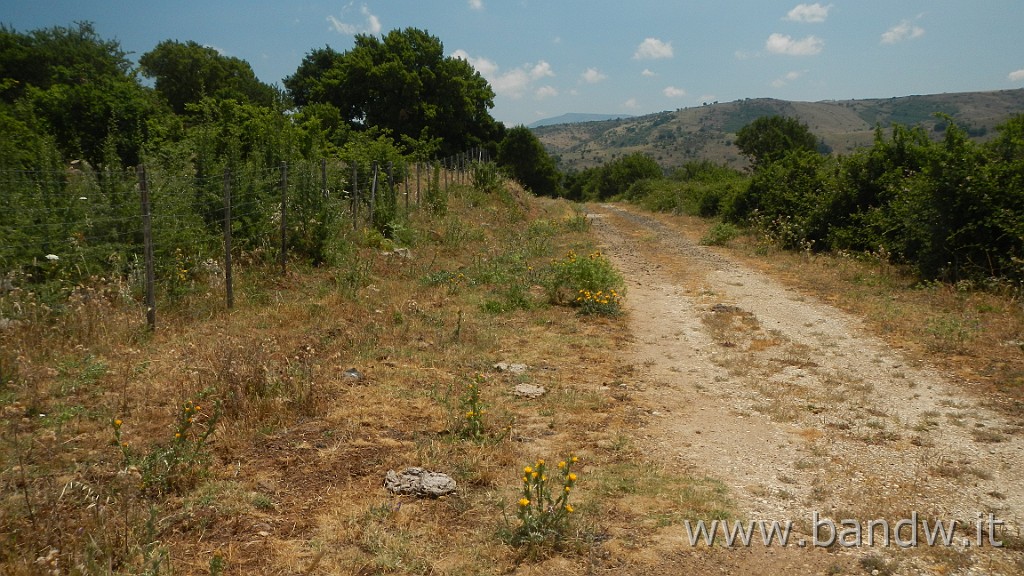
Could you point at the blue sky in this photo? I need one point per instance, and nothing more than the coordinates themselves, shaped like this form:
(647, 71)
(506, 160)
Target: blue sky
(548, 57)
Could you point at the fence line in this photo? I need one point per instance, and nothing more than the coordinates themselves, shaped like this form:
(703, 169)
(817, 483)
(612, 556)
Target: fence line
(149, 223)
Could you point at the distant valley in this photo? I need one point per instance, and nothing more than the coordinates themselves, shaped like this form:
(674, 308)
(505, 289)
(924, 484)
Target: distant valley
(706, 132)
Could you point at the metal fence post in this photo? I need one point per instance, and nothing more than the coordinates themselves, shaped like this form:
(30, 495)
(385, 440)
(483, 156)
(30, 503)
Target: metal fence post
(147, 240)
(228, 278)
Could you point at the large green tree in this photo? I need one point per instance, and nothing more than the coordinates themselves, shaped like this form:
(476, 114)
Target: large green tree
(770, 138)
(525, 158)
(186, 72)
(402, 83)
(77, 87)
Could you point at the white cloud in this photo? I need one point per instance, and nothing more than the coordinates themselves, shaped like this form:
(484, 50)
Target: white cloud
(784, 44)
(631, 104)
(673, 92)
(546, 92)
(593, 76)
(1016, 75)
(903, 31)
(540, 70)
(485, 67)
(653, 49)
(648, 72)
(813, 13)
(789, 77)
(476, 4)
(514, 83)
(371, 26)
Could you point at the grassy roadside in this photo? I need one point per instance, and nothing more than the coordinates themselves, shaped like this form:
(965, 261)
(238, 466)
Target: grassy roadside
(240, 442)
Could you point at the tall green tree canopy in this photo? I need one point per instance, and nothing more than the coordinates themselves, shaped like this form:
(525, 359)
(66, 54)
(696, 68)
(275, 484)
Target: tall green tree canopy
(404, 84)
(78, 88)
(186, 72)
(770, 138)
(59, 55)
(525, 158)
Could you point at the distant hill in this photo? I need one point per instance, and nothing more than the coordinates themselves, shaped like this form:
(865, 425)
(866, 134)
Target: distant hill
(707, 132)
(574, 118)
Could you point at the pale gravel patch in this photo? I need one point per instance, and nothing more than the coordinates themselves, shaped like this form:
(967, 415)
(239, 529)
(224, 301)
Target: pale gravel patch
(832, 420)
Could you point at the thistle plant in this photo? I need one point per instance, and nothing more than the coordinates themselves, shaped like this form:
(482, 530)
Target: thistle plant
(543, 509)
(601, 303)
(177, 465)
(473, 408)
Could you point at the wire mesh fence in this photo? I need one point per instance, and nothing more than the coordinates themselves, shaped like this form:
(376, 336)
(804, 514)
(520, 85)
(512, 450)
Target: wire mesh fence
(158, 226)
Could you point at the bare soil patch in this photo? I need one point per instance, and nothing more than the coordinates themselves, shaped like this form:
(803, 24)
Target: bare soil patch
(799, 409)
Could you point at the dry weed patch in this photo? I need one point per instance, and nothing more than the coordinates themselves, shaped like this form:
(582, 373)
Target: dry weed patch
(256, 440)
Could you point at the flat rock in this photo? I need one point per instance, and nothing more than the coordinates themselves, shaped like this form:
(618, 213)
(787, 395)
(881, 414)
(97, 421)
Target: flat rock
(529, 390)
(416, 481)
(511, 368)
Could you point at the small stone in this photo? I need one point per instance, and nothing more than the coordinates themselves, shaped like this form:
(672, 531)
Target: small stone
(511, 368)
(403, 253)
(353, 374)
(529, 391)
(416, 481)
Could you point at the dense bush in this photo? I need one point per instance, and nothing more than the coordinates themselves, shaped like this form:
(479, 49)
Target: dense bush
(614, 178)
(951, 208)
(698, 188)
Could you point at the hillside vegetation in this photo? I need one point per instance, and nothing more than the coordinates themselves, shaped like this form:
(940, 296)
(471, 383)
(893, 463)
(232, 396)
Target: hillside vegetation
(707, 132)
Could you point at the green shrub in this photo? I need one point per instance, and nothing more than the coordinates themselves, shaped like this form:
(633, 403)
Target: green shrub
(486, 177)
(436, 198)
(566, 278)
(720, 234)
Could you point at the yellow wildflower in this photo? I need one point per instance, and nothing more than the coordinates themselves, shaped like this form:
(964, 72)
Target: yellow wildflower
(524, 502)
(568, 508)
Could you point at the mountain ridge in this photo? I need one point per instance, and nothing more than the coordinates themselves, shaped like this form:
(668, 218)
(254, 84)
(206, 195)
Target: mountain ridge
(577, 117)
(706, 132)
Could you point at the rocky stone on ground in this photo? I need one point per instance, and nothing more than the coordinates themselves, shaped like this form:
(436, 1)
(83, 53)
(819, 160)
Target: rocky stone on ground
(416, 481)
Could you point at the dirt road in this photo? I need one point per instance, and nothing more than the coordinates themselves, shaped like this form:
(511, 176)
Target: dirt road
(800, 411)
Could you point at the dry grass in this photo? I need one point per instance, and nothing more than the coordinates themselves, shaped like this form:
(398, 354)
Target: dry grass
(290, 480)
